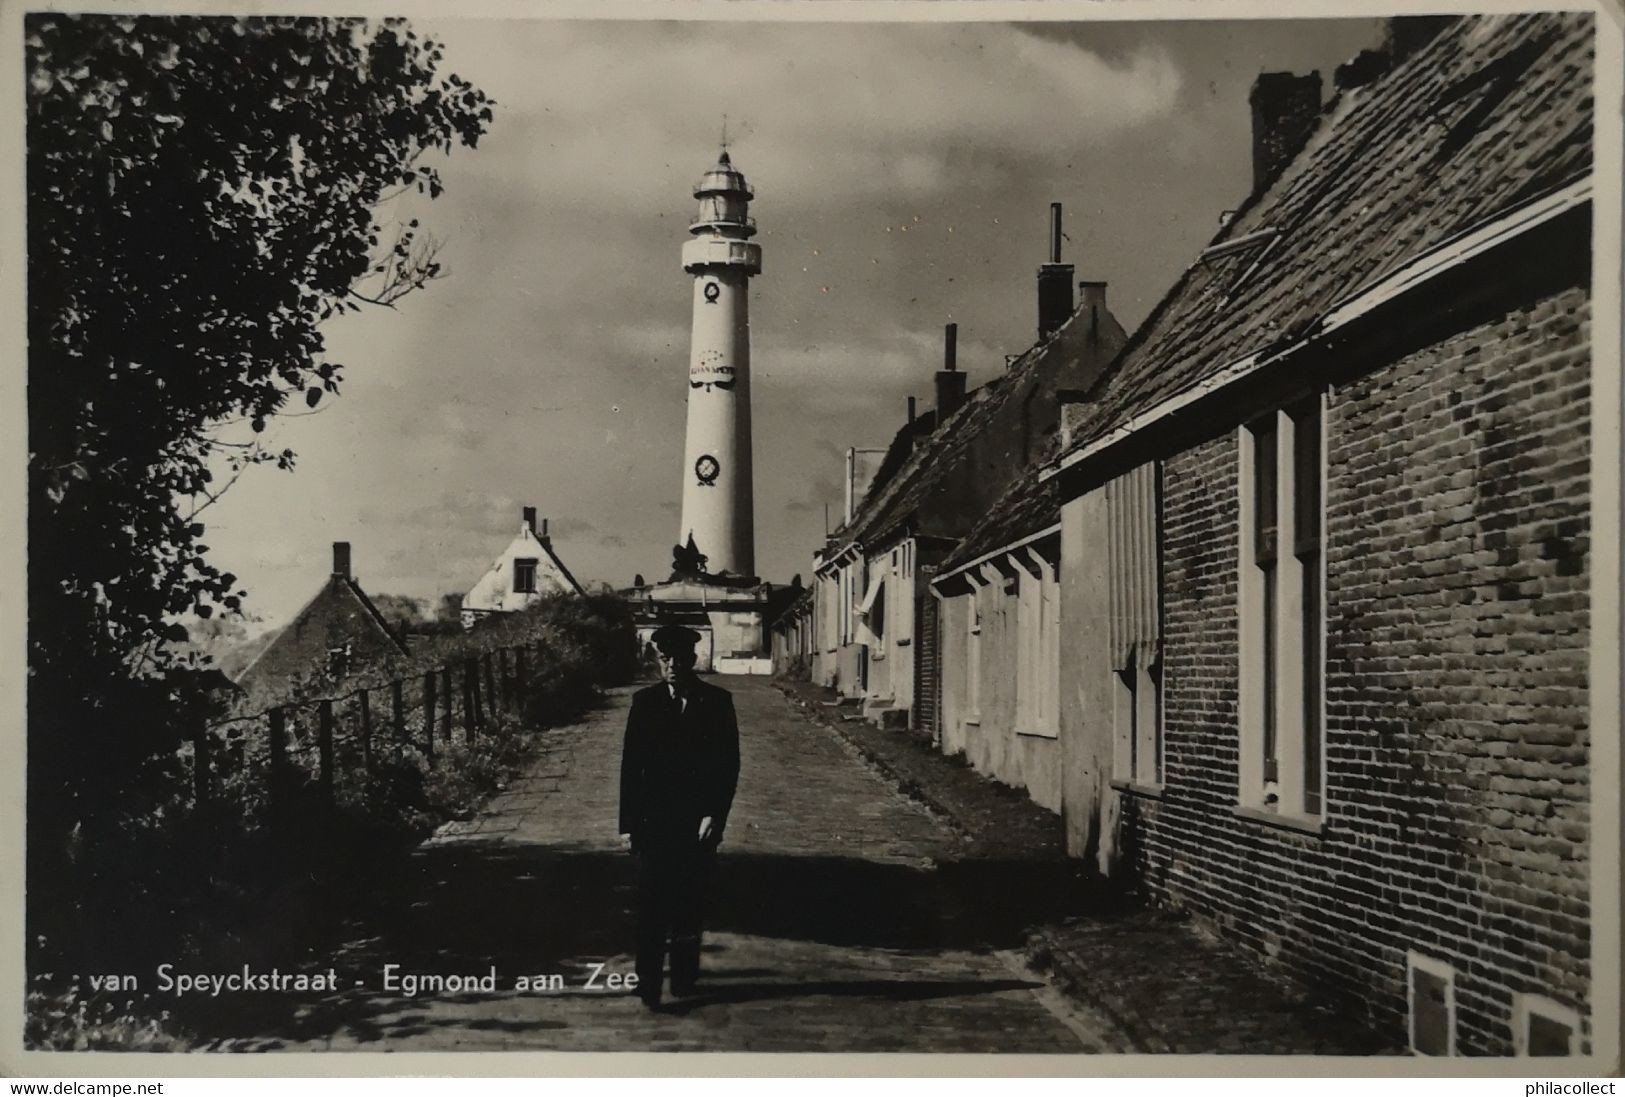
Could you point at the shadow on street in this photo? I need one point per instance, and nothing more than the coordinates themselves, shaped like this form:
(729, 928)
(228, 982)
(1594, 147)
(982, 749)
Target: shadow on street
(464, 907)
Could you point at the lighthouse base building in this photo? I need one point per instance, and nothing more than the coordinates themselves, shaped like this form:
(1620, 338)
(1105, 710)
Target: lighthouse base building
(729, 612)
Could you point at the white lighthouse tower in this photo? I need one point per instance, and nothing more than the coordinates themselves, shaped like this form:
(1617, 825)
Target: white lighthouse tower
(717, 499)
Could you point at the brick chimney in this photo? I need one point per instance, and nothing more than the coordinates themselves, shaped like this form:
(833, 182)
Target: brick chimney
(341, 559)
(950, 382)
(1285, 109)
(547, 542)
(530, 519)
(1054, 280)
(911, 411)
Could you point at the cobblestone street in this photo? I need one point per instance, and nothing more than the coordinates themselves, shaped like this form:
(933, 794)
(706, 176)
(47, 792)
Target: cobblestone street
(844, 917)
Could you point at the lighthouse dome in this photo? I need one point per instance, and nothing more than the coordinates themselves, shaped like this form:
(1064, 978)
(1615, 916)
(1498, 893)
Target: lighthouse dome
(723, 178)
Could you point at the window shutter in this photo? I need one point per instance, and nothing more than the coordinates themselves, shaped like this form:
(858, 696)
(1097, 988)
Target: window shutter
(1131, 517)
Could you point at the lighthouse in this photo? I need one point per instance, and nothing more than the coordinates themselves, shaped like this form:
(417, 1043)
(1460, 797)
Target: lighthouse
(717, 497)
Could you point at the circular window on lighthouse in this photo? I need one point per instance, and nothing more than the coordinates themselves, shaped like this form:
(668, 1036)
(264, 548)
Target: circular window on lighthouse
(707, 469)
(712, 292)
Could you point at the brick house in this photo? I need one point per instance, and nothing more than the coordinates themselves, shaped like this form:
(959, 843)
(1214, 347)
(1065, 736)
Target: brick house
(1325, 550)
(877, 623)
(338, 633)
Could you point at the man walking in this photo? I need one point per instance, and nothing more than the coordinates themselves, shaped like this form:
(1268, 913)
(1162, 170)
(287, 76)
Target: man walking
(679, 769)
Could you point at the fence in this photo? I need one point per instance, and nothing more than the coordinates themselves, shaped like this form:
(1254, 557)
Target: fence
(336, 739)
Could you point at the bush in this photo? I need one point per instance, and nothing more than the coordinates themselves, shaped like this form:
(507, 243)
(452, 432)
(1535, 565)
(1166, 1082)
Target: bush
(173, 879)
(62, 1019)
(584, 646)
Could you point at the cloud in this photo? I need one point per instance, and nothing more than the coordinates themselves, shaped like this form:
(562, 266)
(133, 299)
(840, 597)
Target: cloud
(864, 110)
(904, 173)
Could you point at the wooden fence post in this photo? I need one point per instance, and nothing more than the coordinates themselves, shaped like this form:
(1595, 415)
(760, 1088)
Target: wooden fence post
(200, 764)
(428, 714)
(279, 756)
(397, 704)
(366, 732)
(324, 747)
(450, 702)
(471, 699)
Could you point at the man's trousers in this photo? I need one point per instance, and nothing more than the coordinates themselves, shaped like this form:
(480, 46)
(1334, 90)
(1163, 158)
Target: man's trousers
(673, 879)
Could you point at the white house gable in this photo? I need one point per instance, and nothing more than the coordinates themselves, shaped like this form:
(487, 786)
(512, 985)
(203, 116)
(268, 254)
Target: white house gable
(527, 571)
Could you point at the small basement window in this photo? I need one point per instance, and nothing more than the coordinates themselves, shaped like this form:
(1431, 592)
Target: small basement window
(1542, 1027)
(1432, 999)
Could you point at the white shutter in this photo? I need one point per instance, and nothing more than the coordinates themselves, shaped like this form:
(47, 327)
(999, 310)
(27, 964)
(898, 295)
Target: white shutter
(1131, 545)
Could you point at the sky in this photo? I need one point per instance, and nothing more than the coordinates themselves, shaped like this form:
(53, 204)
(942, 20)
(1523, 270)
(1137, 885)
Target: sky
(903, 175)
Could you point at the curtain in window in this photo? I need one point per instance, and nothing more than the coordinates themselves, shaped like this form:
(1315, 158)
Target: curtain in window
(866, 630)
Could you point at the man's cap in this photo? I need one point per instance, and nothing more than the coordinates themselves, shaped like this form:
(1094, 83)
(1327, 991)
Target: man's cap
(674, 638)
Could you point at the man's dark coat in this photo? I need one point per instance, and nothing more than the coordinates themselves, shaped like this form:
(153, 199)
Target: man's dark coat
(679, 764)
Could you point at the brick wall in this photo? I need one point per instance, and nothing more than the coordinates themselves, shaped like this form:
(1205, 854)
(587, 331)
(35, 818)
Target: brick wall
(1456, 742)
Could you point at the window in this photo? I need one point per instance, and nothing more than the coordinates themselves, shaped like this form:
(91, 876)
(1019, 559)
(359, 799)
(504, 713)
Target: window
(1431, 993)
(1541, 1026)
(846, 603)
(524, 575)
(1306, 552)
(338, 660)
(849, 602)
(871, 614)
(831, 604)
(1282, 601)
(903, 592)
(1134, 627)
(1037, 651)
(973, 655)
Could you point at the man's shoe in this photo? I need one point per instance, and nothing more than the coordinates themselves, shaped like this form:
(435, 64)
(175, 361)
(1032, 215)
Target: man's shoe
(683, 990)
(651, 1001)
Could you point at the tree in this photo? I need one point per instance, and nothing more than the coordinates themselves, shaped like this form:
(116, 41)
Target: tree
(202, 194)
(450, 609)
(402, 612)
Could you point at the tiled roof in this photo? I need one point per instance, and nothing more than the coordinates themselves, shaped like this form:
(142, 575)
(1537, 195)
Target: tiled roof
(547, 547)
(926, 466)
(937, 460)
(902, 444)
(377, 618)
(1494, 111)
(1027, 506)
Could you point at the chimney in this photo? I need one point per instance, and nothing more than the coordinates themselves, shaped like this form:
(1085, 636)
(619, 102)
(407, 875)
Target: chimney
(1054, 280)
(1285, 109)
(341, 559)
(1092, 307)
(950, 382)
(530, 520)
(851, 486)
(911, 407)
(547, 542)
